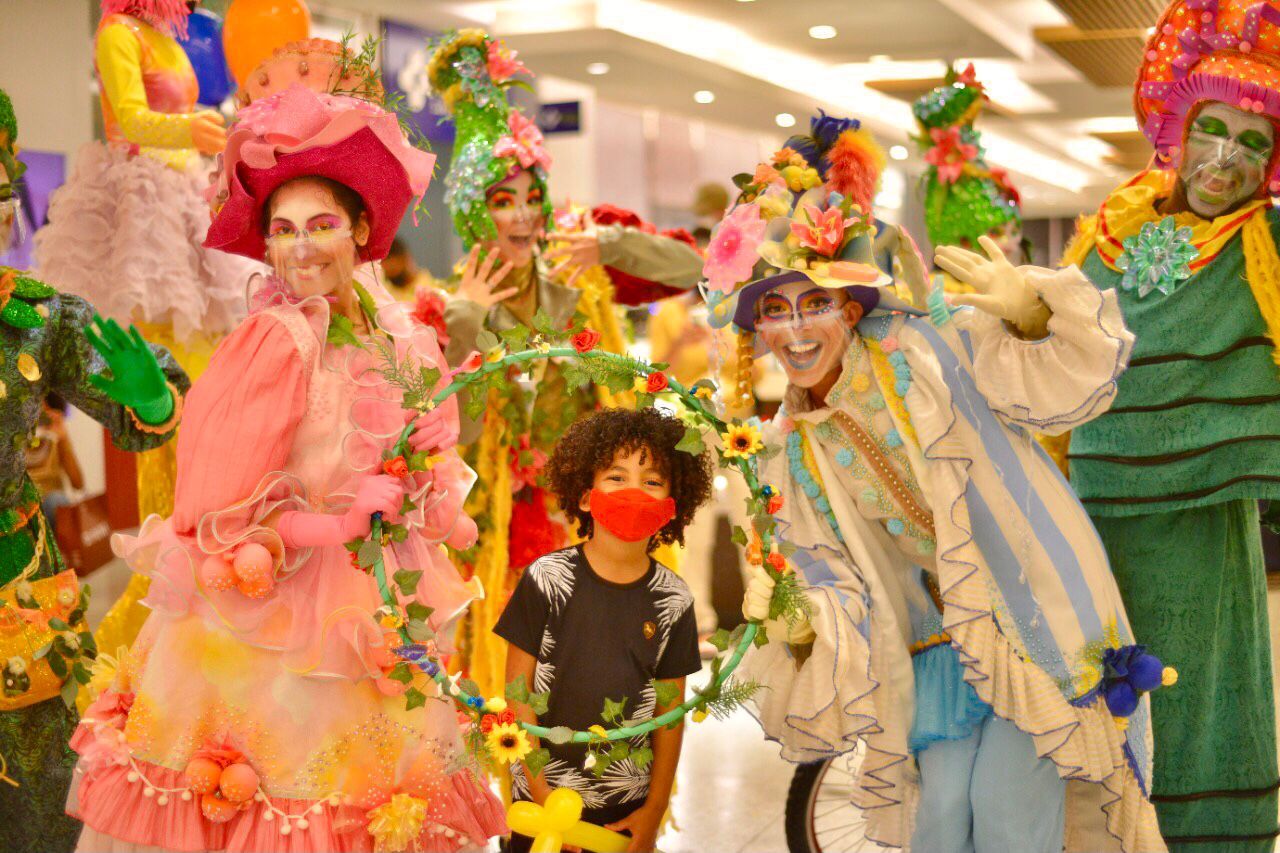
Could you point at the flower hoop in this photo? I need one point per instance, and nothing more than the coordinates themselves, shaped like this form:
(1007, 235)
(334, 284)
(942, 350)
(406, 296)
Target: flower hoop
(738, 449)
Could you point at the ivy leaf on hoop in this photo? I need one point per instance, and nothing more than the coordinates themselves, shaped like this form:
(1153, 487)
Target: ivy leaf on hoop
(419, 611)
(545, 326)
(468, 686)
(739, 536)
(665, 692)
(414, 698)
(518, 691)
(369, 553)
(559, 735)
(407, 581)
(487, 341)
(536, 760)
(516, 338)
(539, 703)
(419, 631)
(401, 673)
(691, 442)
(613, 710)
(642, 758)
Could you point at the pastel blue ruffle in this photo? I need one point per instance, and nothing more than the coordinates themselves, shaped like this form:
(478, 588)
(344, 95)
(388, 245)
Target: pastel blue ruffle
(947, 706)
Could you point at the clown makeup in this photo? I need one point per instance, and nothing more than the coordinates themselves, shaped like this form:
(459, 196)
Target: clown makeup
(808, 329)
(311, 238)
(516, 207)
(1227, 154)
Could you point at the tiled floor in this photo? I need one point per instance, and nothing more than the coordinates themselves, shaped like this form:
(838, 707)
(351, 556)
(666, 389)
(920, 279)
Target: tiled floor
(732, 786)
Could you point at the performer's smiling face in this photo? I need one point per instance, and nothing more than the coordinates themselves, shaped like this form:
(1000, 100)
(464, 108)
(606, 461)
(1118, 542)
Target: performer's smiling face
(807, 328)
(312, 235)
(515, 205)
(1227, 155)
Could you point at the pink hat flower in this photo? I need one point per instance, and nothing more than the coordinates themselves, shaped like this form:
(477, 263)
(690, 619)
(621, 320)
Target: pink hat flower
(731, 254)
(822, 231)
(524, 143)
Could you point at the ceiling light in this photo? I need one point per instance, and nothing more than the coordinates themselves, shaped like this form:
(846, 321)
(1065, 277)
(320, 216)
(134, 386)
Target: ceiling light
(879, 57)
(899, 152)
(822, 31)
(704, 96)
(785, 120)
(595, 69)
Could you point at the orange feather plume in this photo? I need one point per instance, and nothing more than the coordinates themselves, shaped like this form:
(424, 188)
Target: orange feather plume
(856, 161)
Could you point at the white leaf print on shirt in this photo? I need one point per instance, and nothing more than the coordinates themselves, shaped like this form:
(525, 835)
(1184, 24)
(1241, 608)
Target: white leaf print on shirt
(553, 575)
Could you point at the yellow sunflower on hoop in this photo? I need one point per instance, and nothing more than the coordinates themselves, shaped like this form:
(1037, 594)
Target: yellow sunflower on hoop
(742, 441)
(508, 743)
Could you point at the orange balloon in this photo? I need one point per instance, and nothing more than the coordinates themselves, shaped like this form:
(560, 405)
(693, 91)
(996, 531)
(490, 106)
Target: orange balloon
(253, 29)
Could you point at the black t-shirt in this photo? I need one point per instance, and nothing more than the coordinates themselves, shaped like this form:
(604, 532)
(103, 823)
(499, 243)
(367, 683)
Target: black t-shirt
(596, 640)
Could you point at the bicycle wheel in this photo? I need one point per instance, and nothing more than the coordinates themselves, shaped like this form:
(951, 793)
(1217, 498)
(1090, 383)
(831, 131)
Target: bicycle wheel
(821, 816)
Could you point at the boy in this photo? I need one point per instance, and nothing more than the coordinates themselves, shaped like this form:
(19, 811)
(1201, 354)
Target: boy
(602, 620)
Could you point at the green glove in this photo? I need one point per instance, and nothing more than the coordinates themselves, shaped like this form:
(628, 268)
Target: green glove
(136, 379)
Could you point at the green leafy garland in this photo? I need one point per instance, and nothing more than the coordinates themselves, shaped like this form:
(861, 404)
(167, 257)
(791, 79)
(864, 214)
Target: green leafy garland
(520, 348)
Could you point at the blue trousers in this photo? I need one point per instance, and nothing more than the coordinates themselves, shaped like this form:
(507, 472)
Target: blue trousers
(989, 793)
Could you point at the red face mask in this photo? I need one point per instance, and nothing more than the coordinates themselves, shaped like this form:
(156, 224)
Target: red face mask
(631, 514)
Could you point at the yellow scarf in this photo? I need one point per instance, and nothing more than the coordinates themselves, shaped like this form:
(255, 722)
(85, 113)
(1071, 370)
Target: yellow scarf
(1131, 206)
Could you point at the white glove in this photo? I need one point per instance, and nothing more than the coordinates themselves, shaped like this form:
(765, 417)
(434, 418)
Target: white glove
(1002, 290)
(797, 630)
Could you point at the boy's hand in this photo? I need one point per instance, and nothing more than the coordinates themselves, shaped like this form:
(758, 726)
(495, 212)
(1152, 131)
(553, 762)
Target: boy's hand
(643, 824)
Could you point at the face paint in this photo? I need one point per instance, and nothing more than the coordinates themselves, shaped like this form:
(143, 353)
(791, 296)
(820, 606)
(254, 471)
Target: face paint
(1227, 154)
(515, 205)
(309, 239)
(806, 329)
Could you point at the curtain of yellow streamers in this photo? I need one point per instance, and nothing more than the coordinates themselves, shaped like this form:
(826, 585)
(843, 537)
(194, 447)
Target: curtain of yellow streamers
(1262, 269)
(482, 651)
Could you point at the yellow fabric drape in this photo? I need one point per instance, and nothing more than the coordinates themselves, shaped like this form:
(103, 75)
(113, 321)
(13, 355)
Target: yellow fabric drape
(1262, 270)
(481, 651)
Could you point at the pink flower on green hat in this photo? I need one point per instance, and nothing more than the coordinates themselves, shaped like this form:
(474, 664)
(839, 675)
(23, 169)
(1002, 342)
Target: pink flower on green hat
(731, 254)
(502, 63)
(524, 143)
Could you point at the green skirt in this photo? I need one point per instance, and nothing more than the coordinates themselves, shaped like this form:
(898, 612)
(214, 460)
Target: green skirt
(1194, 584)
(34, 743)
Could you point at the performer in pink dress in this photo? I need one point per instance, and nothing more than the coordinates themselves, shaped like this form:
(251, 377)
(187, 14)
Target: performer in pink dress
(261, 707)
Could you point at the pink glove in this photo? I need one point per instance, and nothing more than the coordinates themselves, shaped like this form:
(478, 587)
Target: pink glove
(437, 430)
(376, 493)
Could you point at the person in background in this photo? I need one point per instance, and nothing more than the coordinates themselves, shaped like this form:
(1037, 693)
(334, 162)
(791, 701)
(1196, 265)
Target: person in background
(965, 197)
(54, 342)
(709, 204)
(51, 460)
(401, 274)
(525, 265)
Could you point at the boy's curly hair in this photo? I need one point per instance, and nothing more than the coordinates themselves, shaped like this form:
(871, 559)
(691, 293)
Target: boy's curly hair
(591, 444)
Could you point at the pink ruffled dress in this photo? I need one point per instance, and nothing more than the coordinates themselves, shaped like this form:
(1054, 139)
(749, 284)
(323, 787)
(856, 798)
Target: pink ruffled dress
(295, 681)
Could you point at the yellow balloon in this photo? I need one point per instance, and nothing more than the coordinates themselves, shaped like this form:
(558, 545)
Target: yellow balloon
(253, 29)
(560, 822)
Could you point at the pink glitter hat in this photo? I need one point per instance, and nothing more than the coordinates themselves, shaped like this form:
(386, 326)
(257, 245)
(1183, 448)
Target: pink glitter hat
(305, 131)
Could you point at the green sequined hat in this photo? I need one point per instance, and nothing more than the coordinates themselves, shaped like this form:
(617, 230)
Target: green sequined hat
(493, 141)
(964, 198)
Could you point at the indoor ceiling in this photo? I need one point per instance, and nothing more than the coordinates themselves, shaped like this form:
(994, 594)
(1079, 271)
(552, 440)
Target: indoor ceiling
(1059, 72)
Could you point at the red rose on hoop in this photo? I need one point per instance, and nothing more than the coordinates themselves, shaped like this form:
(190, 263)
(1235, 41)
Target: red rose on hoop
(586, 340)
(396, 467)
(656, 383)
